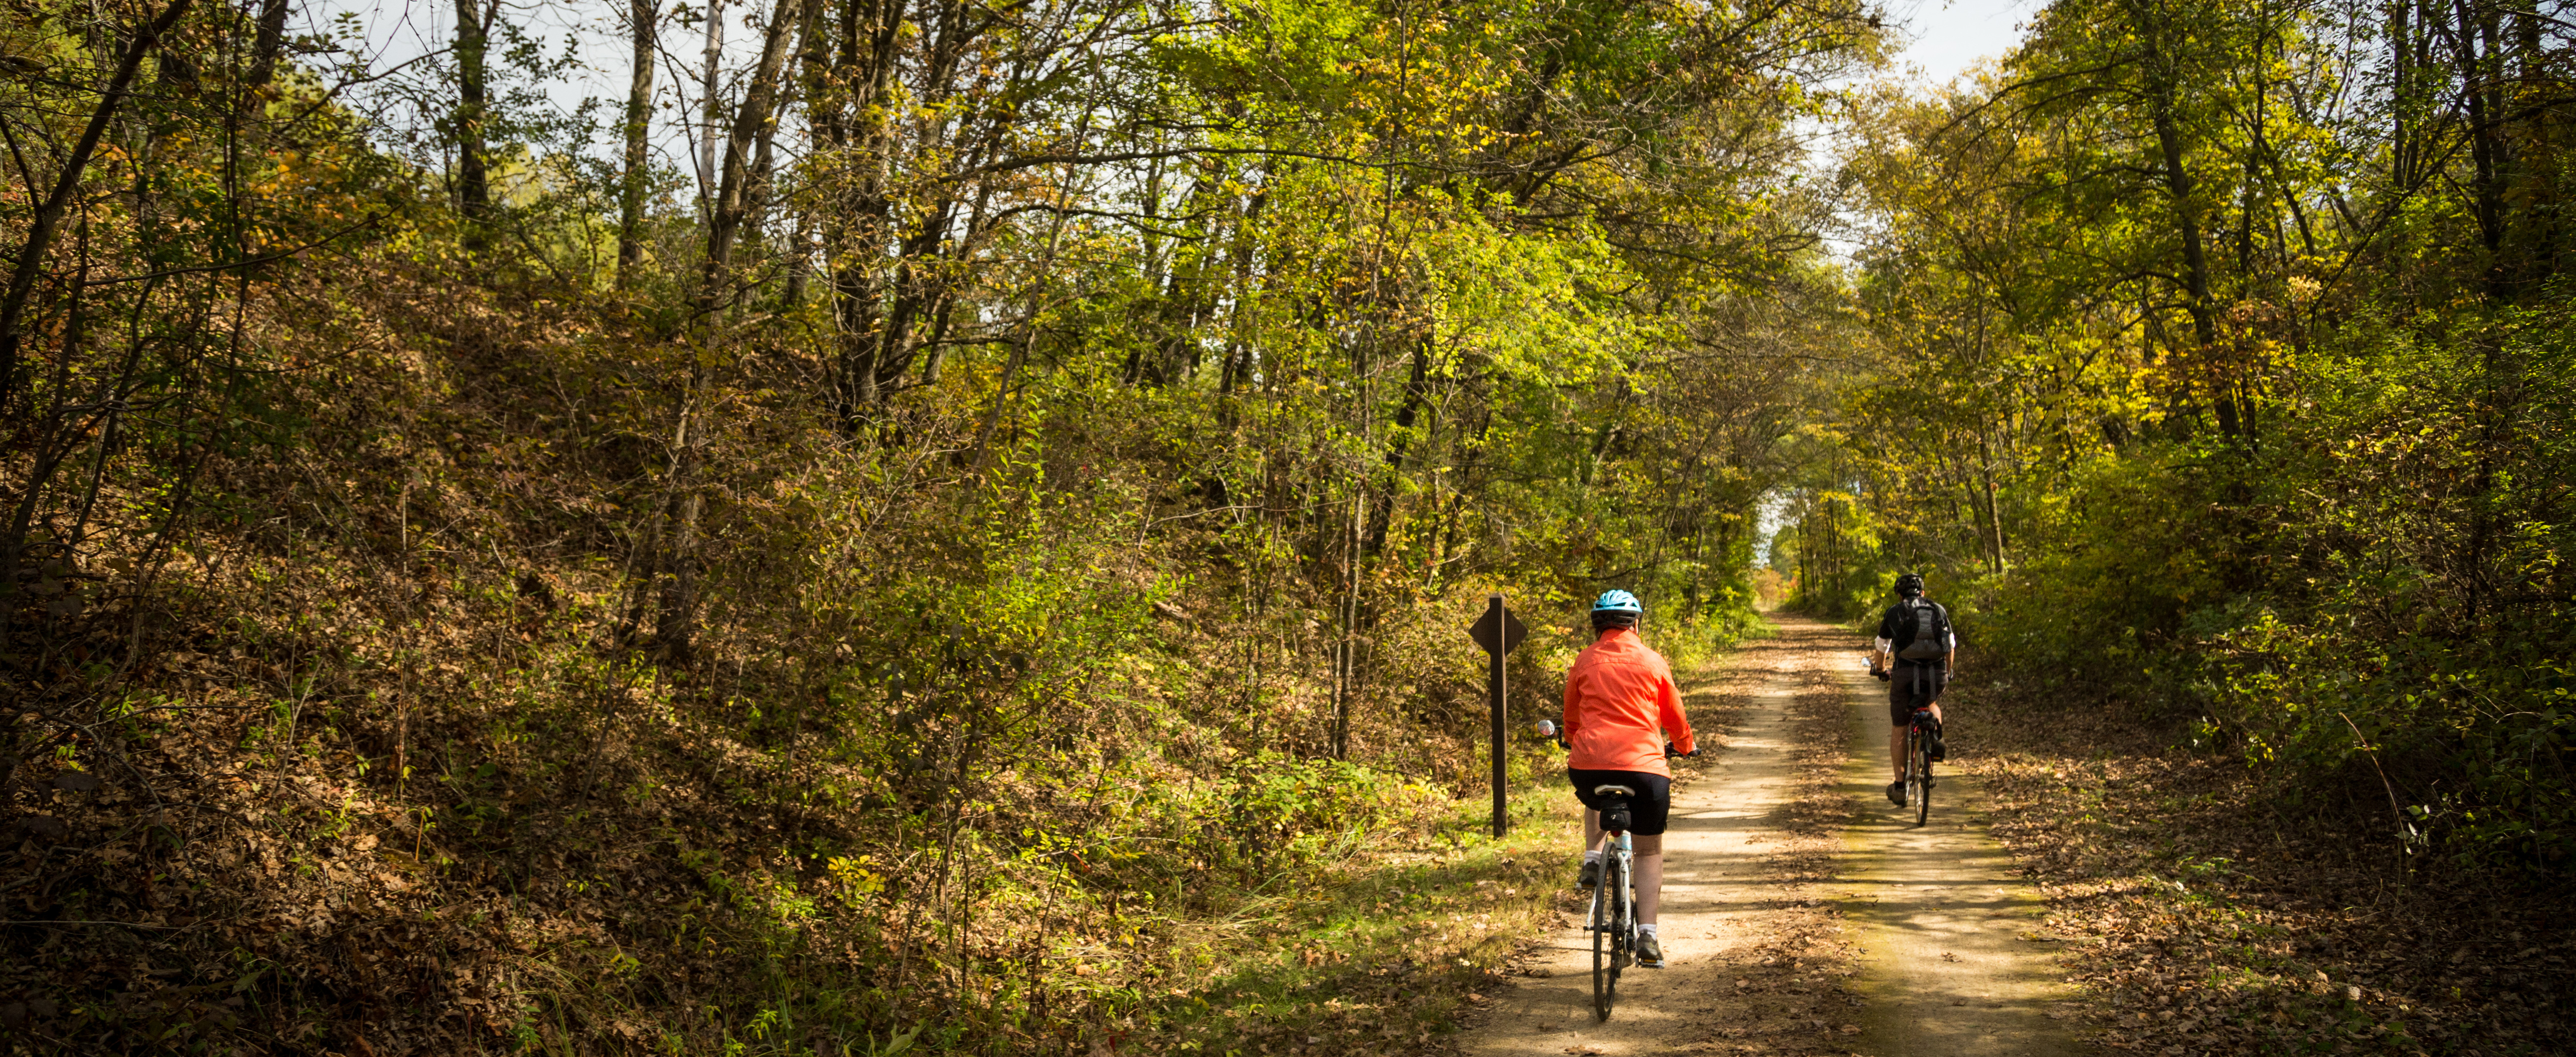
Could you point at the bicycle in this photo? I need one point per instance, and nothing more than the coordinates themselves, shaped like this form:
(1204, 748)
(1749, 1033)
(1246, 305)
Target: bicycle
(1918, 764)
(1613, 918)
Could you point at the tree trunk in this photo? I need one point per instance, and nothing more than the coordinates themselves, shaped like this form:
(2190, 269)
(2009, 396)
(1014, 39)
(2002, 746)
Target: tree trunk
(2544, 226)
(645, 18)
(1417, 390)
(266, 45)
(2401, 77)
(852, 121)
(1994, 509)
(734, 191)
(473, 179)
(710, 107)
(2179, 188)
(676, 625)
(2473, 51)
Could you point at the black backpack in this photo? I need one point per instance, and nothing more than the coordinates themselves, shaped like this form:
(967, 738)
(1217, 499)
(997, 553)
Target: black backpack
(1927, 638)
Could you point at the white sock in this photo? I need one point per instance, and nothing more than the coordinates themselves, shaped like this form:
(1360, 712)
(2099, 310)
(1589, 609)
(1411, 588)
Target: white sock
(1646, 928)
(1592, 856)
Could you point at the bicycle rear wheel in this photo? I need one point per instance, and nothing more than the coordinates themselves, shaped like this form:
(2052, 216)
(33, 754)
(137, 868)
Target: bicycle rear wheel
(1613, 947)
(1605, 981)
(1919, 770)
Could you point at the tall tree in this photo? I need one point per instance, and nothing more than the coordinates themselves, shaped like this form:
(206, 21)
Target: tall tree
(676, 621)
(473, 105)
(743, 169)
(644, 19)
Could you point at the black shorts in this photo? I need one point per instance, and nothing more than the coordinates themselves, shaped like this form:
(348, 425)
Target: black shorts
(1648, 811)
(1910, 686)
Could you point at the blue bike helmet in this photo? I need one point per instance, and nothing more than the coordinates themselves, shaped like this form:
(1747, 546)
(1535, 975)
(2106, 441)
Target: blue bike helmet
(1617, 601)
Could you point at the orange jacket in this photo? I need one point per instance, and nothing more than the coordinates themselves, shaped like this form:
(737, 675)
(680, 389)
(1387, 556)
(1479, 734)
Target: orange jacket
(1620, 707)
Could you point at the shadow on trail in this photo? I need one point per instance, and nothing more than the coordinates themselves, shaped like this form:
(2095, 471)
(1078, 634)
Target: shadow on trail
(1956, 961)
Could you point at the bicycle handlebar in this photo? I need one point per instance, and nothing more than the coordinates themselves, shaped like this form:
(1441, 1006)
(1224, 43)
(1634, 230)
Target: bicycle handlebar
(1547, 728)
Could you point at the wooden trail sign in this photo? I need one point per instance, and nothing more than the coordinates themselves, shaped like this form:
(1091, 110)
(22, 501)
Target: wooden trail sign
(1498, 631)
(1498, 621)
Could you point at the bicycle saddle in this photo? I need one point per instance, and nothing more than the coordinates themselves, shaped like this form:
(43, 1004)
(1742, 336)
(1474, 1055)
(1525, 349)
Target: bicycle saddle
(1613, 790)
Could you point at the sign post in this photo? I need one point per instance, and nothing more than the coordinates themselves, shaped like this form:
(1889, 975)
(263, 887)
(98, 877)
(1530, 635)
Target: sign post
(1498, 631)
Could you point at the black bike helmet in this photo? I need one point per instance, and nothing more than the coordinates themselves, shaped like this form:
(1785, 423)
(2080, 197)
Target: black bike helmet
(1909, 585)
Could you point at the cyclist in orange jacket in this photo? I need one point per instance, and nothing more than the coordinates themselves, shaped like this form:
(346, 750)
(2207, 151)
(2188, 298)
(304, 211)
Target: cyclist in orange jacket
(1622, 716)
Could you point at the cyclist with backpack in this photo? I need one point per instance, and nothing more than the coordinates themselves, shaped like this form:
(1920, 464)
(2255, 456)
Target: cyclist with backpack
(1913, 655)
(1623, 715)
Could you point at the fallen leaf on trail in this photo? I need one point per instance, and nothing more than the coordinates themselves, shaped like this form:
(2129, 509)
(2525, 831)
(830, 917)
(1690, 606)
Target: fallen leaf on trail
(1851, 1029)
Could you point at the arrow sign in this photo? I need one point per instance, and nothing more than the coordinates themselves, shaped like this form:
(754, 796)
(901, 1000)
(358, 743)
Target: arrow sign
(1498, 621)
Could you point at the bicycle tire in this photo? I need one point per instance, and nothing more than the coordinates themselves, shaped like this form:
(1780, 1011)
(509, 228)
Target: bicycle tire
(1922, 768)
(1598, 923)
(1623, 923)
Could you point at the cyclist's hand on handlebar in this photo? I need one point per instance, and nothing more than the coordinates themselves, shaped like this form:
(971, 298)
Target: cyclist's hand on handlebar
(1880, 673)
(1668, 751)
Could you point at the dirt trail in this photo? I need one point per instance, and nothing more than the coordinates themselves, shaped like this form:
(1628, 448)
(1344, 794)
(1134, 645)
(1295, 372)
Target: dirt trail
(1713, 897)
(1751, 968)
(1953, 960)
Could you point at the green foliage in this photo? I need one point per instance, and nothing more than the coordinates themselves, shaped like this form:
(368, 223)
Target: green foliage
(2245, 417)
(2424, 638)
